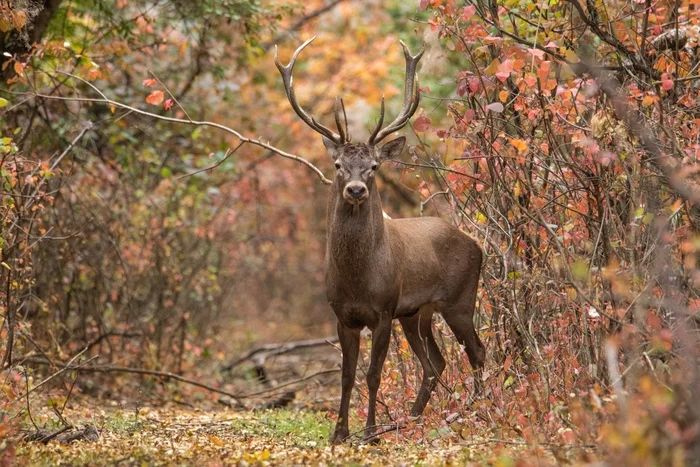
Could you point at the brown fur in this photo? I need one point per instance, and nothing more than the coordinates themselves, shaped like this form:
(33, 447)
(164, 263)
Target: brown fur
(381, 269)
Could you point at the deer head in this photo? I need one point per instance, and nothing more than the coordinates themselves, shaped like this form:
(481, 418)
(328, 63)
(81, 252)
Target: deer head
(357, 163)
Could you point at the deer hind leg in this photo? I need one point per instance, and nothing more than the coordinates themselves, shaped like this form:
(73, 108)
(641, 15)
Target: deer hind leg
(419, 334)
(460, 318)
(350, 345)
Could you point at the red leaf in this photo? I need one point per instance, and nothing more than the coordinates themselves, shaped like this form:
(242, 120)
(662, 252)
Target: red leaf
(149, 83)
(155, 98)
(474, 84)
(506, 66)
(462, 89)
(168, 104)
(666, 82)
(537, 53)
(507, 363)
(468, 11)
(502, 76)
(569, 436)
(424, 4)
(421, 124)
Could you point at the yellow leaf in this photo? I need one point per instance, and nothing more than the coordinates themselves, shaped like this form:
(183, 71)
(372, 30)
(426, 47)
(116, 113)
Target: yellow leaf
(216, 441)
(493, 67)
(677, 205)
(503, 96)
(648, 100)
(571, 56)
(20, 19)
(519, 144)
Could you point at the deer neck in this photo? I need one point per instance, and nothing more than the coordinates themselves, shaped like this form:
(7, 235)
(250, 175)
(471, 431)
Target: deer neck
(355, 233)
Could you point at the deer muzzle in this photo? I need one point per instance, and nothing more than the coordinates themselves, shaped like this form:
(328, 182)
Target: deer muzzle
(355, 193)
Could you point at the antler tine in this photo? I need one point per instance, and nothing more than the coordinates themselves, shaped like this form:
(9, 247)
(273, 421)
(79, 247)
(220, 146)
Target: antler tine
(411, 97)
(380, 122)
(338, 106)
(345, 119)
(287, 79)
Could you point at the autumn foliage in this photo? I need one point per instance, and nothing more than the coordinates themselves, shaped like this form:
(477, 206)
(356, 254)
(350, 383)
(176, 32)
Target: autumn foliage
(563, 135)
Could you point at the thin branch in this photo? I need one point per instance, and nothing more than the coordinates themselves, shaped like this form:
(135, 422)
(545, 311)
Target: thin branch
(302, 21)
(229, 153)
(279, 349)
(219, 126)
(444, 169)
(649, 142)
(140, 371)
(58, 373)
(290, 383)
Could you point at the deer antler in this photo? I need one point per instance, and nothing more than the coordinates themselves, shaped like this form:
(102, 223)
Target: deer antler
(411, 98)
(286, 72)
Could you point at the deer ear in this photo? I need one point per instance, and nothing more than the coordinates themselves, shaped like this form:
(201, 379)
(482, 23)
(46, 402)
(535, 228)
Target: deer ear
(332, 147)
(392, 149)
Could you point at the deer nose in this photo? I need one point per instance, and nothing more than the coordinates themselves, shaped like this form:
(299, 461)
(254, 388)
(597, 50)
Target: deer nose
(356, 191)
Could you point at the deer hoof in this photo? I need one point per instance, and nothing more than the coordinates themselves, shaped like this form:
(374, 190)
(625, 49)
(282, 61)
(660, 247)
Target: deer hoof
(340, 435)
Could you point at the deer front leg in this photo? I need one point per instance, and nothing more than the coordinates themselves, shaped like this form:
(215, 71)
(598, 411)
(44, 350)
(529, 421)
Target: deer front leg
(381, 336)
(350, 345)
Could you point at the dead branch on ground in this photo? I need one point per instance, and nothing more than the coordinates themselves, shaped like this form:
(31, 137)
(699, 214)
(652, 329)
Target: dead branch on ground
(271, 350)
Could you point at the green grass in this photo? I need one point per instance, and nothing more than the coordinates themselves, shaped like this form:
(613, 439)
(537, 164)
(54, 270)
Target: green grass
(308, 429)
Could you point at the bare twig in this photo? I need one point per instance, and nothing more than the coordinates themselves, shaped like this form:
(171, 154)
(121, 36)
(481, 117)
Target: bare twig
(59, 372)
(279, 349)
(302, 21)
(290, 383)
(228, 154)
(239, 136)
(649, 142)
(142, 371)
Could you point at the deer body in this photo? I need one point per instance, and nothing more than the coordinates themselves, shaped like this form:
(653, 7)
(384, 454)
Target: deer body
(400, 264)
(378, 270)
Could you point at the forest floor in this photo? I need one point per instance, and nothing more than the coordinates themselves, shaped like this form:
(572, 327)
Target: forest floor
(184, 436)
(150, 420)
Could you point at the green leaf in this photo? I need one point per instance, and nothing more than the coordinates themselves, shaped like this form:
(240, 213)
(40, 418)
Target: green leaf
(3, 102)
(580, 270)
(509, 382)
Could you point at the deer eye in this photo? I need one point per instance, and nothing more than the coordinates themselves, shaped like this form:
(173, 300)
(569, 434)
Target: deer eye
(337, 166)
(374, 166)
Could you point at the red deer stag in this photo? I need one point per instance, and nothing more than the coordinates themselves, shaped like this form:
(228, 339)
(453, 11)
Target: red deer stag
(381, 269)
